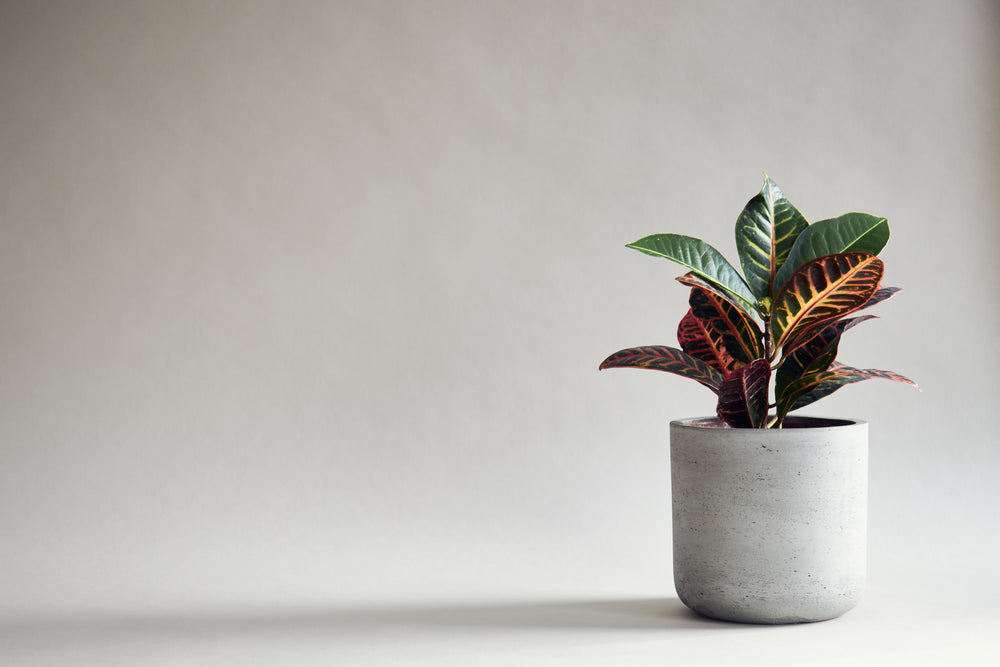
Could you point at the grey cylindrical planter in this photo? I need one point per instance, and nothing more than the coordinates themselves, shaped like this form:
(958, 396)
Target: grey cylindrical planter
(770, 525)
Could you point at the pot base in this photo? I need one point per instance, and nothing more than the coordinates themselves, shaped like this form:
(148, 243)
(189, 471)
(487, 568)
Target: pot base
(767, 612)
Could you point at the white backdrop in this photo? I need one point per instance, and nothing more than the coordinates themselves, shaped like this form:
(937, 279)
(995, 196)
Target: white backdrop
(302, 303)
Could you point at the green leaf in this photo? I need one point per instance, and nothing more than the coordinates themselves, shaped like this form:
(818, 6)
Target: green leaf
(743, 395)
(851, 232)
(765, 233)
(700, 258)
(823, 289)
(668, 359)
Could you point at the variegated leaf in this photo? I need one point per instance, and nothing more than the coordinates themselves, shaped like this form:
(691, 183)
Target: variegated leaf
(816, 352)
(815, 386)
(740, 335)
(765, 232)
(693, 280)
(823, 289)
(880, 295)
(743, 395)
(668, 359)
(704, 342)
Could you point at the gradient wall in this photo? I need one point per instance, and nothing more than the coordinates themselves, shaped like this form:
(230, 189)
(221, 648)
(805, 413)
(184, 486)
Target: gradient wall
(304, 301)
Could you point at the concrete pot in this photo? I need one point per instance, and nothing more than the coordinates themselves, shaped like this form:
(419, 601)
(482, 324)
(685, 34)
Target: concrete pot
(770, 525)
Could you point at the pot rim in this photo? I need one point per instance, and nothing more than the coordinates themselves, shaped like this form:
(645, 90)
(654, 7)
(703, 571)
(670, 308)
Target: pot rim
(796, 421)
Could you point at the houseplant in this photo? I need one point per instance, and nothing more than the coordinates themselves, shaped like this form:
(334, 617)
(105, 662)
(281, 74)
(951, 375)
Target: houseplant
(769, 510)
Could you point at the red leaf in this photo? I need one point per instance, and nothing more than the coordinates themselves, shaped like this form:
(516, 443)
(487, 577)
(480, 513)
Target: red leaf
(701, 341)
(668, 359)
(743, 395)
(821, 290)
(739, 335)
(815, 386)
(692, 280)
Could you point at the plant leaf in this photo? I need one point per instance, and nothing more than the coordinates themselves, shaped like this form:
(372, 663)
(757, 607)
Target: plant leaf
(815, 353)
(703, 342)
(823, 289)
(740, 335)
(699, 257)
(743, 395)
(669, 359)
(882, 294)
(693, 280)
(765, 232)
(851, 232)
(815, 386)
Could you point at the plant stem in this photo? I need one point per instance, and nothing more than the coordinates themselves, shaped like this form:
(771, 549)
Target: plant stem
(769, 354)
(768, 343)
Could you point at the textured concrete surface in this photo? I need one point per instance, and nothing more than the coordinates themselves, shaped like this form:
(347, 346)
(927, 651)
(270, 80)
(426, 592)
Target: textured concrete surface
(769, 525)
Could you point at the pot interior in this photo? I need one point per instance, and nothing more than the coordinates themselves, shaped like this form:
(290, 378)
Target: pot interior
(790, 422)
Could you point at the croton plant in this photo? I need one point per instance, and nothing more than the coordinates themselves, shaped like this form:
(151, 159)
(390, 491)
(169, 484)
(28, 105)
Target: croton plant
(781, 319)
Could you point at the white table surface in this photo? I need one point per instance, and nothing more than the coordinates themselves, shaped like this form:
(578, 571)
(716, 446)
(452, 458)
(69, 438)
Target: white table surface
(885, 629)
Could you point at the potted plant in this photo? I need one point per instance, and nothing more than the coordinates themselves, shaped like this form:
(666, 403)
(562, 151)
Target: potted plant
(770, 509)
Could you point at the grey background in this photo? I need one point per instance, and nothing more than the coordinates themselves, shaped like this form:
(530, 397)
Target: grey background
(302, 303)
